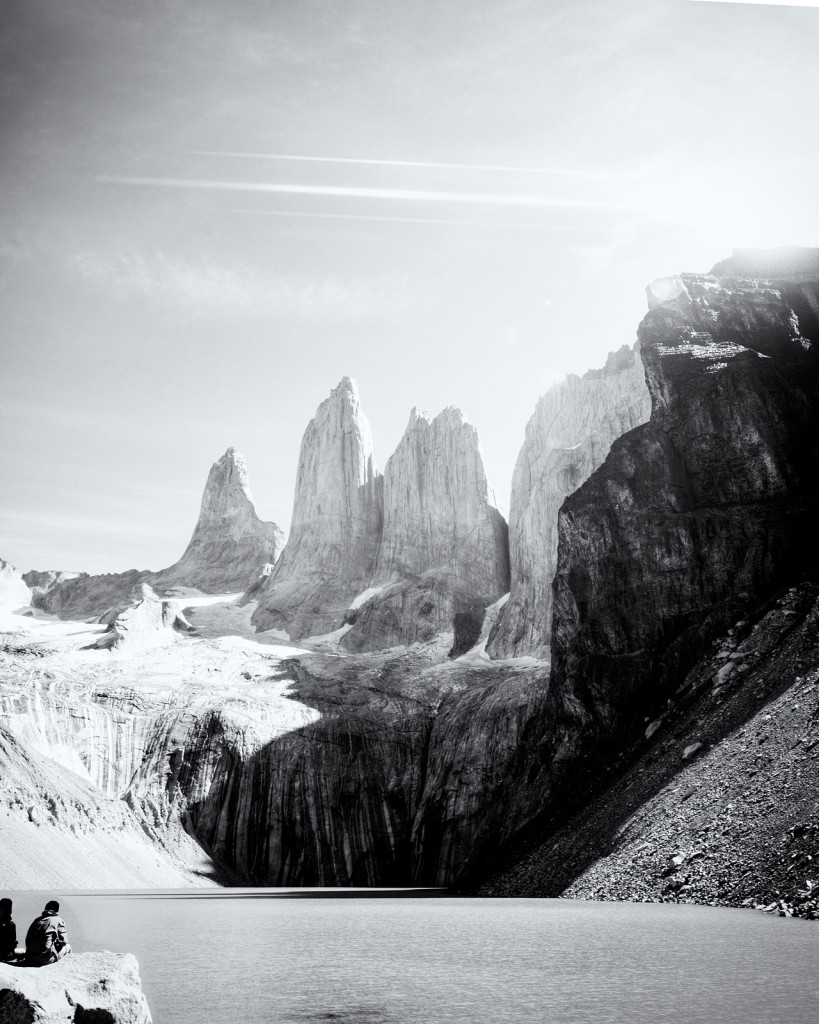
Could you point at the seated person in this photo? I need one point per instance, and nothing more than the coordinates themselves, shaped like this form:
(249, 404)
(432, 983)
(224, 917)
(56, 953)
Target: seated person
(45, 940)
(8, 933)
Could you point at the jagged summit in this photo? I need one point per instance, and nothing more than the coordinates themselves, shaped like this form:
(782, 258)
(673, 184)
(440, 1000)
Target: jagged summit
(444, 548)
(227, 486)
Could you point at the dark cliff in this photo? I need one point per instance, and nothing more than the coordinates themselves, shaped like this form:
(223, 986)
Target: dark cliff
(695, 519)
(703, 511)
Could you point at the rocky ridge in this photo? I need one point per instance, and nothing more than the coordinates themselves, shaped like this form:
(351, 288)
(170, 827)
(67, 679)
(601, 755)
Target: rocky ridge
(142, 621)
(567, 438)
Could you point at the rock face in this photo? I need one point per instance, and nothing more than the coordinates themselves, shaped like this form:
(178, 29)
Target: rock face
(229, 546)
(709, 506)
(230, 543)
(486, 774)
(443, 556)
(567, 438)
(331, 552)
(82, 988)
(735, 822)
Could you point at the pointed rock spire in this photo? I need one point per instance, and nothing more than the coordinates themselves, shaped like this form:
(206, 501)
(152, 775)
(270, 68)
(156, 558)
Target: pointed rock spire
(229, 542)
(336, 527)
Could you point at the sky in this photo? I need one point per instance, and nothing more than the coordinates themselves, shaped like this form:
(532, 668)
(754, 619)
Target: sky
(210, 212)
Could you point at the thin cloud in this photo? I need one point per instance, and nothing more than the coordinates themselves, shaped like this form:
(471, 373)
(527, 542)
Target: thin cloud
(408, 220)
(410, 163)
(209, 287)
(479, 198)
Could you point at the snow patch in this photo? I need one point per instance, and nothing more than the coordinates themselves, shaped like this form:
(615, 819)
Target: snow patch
(364, 596)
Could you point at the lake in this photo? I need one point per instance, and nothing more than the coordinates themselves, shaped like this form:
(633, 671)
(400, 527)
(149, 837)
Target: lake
(219, 957)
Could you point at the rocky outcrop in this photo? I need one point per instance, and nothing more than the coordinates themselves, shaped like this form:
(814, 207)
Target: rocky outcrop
(145, 620)
(230, 543)
(335, 531)
(85, 988)
(229, 546)
(83, 596)
(443, 556)
(41, 581)
(567, 438)
(378, 791)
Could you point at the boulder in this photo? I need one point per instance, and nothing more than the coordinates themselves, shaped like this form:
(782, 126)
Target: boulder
(85, 988)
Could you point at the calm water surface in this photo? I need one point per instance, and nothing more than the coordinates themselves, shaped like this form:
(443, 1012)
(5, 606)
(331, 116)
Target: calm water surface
(252, 959)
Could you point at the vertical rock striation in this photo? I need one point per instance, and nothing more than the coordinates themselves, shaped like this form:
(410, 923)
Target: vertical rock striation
(443, 556)
(331, 552)
(567, 438)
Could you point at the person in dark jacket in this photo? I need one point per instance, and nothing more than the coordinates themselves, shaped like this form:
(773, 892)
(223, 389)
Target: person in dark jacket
(45, 940)
(8, 933)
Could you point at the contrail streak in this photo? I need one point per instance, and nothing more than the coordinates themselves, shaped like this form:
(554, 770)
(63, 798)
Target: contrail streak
(399, 220)
(409, 163)
(485, 198)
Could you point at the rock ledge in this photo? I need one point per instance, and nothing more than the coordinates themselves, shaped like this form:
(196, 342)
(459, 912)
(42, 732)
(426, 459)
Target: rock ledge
(88, 988)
